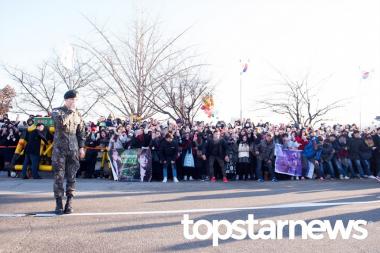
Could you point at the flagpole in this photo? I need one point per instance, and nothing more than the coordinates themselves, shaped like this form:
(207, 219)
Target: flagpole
(242, 71)
(241, 103)
(360, 98)
(360, 103)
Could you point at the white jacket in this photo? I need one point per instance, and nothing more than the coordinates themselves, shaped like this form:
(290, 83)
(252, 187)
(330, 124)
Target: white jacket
(243, 150)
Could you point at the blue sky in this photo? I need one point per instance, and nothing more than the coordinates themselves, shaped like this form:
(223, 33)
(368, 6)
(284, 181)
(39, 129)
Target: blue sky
(324, 37)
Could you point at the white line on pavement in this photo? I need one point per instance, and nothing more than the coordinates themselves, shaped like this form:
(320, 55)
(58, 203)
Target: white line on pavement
(77, 194)
(294, 205)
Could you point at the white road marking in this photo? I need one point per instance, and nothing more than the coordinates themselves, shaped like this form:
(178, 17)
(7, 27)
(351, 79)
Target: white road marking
(77, 194)
(186, 211)
(21, 193)
(13, 215)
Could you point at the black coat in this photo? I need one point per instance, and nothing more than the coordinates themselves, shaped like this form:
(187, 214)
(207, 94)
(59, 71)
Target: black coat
(219, 149)
(341, 149)
(327, 152)
(34, 142)
(365, 151)
(354, 145)
(92, 143)
(376, 140)
(168, 150)
(140, 141)
(155, 147)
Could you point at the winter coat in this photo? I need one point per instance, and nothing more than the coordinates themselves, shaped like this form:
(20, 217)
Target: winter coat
(376, 140)
(266, 150)
(92, 141)
(34, 142)
(168, 150)
(354, 148)
(341, 149)
(327, 152)
(365, 151)
(243, 150)
(212, 148)
(313, 149)
(302, 143)
(155, 147)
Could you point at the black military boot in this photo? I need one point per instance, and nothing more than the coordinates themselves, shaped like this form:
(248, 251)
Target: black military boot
(59, 206)
(68, 207)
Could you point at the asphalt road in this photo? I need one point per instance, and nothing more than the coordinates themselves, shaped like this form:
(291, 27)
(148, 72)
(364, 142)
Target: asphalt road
(146, 217)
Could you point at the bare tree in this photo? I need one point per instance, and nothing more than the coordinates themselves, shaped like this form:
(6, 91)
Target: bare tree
(141, 74)
(76, 77)
(7, 94)
(136, 69)
(298, 101)
(81, 76)
(36, 92)
(41, 90)
(183, 95)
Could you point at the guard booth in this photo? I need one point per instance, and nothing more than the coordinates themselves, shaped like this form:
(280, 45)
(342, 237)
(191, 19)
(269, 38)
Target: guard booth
(46, 150)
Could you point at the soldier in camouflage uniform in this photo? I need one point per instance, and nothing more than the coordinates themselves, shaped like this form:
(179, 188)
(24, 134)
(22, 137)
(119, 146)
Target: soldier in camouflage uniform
(69, 138)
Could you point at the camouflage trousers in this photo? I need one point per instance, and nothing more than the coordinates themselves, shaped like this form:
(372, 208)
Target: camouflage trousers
(65, 163)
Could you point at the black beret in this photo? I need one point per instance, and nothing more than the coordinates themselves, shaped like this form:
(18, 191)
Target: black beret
(71, 94)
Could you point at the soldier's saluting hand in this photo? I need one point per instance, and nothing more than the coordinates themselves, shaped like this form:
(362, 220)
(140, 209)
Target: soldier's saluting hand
(68, 148)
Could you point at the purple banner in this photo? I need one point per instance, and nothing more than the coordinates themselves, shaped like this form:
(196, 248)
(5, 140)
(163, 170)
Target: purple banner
(288, 161)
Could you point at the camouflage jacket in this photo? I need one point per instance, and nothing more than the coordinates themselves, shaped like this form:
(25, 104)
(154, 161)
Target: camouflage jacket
(69, 129)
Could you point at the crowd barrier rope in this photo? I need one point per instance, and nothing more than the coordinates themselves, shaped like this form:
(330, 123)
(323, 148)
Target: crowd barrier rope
(48, 167)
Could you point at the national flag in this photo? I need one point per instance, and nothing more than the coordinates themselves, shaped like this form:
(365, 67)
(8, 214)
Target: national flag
(365, 74)
(245, 67)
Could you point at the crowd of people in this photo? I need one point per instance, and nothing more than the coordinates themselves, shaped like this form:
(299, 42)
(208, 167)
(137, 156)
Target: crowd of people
(9, 137)
(241, 150)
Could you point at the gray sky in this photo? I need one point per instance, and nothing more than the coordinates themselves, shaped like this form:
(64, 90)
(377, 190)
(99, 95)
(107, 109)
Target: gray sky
(326, 38)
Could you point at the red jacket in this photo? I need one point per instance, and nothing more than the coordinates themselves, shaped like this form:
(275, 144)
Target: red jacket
(302, 143)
